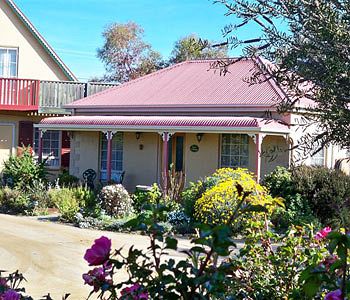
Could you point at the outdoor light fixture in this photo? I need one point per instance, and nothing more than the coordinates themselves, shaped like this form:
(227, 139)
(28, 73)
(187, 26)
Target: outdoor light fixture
(199, 137)
(138, 135)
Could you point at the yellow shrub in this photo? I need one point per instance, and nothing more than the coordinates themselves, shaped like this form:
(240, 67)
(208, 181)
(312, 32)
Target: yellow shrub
(217, 204)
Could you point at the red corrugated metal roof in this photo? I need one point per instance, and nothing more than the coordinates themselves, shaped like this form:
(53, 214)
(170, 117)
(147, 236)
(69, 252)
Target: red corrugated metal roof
(162, 122)
(191, 84)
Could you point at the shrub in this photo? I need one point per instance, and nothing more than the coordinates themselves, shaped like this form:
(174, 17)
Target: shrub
(139, 200)
(327, 191)
(23, 170)
(66, 180)
(217, 204)
(314, 194)
(66, 201)
(115, 200)
(14, 201)
(179, 221)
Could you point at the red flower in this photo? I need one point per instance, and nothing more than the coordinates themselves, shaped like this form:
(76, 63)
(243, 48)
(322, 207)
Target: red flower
(99, 253)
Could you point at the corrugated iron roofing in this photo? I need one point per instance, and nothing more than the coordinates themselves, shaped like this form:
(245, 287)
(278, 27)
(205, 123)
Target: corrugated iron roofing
(190, 83)
(166, 122)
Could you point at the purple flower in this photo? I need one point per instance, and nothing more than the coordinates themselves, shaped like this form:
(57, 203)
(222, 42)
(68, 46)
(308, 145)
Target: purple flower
(135, 291)
(99, 253)
(96, 278)
(334, 295)
(10, 295)
(3, 283)
(323, 233)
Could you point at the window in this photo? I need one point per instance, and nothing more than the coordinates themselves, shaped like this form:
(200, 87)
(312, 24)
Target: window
(8, 62)
(318, 158)
(117, 156)
(51, 147)
(234, 150)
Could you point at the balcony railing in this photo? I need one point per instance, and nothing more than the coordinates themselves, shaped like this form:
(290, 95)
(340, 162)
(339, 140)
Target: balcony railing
(44, 96)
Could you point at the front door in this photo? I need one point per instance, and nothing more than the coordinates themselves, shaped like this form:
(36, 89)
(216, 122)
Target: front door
(176, 152)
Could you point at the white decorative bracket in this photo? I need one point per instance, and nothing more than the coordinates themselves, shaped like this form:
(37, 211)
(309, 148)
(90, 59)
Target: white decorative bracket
(109, 134)
(166, 135)
(261, 135)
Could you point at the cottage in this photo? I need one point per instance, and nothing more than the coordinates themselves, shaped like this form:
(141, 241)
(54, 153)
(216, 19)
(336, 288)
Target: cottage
(185, 115)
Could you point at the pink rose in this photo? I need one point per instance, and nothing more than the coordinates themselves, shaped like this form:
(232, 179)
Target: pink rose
(335, 295)
(10, 295)
(99, 253)
(323, 233)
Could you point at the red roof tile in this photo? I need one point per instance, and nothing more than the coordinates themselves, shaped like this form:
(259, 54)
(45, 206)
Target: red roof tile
(188, 84)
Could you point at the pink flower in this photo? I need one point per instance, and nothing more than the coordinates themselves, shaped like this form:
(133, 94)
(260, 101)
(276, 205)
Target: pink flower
(10, 295)
(135, 292)
(323, 233)
(99, 253)
(334, 295)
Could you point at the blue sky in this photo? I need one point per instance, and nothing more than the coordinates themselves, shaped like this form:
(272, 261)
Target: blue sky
(74, 27)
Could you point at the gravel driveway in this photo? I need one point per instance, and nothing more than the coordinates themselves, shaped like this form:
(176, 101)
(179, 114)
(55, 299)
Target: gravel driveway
(50, 255)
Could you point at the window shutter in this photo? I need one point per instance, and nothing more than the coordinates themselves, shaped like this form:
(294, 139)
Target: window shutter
(25, 134)
(65, 150)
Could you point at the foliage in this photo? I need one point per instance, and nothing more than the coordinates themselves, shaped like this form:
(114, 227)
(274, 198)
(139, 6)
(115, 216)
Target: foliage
(311, 194)
(308, 41)
(139, 200)
(262, 270)
(23, 170)
(218, 204)
(115, 200)
(125, 54)
(297, 209)
(180, 222)
(328, 192)
(175, 185)
(192, 47)
(193, 277)
(69, 201)
(13, 201)
(65, 179)
(279, 182)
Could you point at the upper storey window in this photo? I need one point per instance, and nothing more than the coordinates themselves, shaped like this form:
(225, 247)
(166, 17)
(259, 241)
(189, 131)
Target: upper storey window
(8, 62)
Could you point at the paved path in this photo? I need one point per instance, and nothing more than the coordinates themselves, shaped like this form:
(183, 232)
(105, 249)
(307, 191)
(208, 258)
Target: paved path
(51, 255)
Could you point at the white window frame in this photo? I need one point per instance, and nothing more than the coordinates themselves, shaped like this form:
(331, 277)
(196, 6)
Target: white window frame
(115, 173)
(51, 157)
(8, 67)
(230, 155)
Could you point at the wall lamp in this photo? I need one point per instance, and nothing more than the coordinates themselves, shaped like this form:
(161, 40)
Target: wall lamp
(199, 137)
(137, 135)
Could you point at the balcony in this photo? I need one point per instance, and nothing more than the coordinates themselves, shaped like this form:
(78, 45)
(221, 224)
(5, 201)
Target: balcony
(44, 96)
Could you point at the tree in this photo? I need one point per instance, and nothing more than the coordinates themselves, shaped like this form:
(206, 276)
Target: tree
(125, 55)
(308, 42)
(192, 47)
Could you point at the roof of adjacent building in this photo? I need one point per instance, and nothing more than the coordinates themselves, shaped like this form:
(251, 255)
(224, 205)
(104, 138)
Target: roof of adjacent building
(164, 123)
(187, 85)
(26, 22)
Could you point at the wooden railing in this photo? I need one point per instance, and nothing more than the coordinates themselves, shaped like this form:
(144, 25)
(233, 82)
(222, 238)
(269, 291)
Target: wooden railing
(44, 96)
(19, 94)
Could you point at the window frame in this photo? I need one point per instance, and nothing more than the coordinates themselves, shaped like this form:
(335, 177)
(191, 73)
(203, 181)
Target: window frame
(104, 171)
(9, 63)
(35, 148)
(230, 156)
